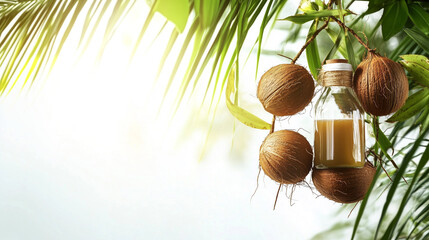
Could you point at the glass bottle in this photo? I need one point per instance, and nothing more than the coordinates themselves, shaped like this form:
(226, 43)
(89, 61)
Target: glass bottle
(339, 139)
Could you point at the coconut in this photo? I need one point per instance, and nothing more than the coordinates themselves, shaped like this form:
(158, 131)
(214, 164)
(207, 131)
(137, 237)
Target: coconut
(380, 84)
(344, 185)
(286, 156)
(285, 89)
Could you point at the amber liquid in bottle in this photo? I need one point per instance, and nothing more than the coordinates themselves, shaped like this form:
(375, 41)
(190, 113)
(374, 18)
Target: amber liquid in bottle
(339, 143)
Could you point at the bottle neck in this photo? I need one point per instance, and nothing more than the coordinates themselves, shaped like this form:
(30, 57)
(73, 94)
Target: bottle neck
(338, 89)
(336, 78)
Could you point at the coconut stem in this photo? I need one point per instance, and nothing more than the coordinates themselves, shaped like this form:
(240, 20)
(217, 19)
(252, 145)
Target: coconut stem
(314, 35)
(353, 33)
(376, 156)
(377, 127)
(309, 41)
(381, 165)
(273, 123)
(281, 55)
(330, 3)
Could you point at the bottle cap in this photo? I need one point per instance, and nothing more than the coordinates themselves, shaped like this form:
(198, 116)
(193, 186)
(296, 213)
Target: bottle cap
(336, 72)
(337, 65)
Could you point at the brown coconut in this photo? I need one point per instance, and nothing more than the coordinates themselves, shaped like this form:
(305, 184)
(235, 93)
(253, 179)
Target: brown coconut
(380, 84)
(344, 185)
(286, 156)
(285, 89)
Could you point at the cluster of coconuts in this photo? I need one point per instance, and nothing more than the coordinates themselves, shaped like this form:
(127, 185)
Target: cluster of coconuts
(287, 157)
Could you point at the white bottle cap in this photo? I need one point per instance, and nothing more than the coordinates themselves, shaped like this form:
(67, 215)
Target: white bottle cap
(337, 65)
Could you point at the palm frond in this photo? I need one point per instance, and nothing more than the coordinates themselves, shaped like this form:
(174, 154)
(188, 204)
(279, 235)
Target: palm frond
(33, 34)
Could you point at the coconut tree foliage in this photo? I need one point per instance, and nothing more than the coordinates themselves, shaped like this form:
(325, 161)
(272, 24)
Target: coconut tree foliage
(33, 32)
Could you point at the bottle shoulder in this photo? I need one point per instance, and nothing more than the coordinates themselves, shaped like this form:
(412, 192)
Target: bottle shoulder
(337, 102)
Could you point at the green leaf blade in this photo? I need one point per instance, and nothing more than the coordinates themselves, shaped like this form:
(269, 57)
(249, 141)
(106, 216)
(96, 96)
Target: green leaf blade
(414, 104)
(176, 11)
(420, 38)
(207, 10)
(419, 17)
(312, 52)
(246, 117)
(350, 51)
(396, 179)
(365, 202)
(305, 17)
(419, 73)
(394, 18)
(383, 141)
(390, 230)
(339, 44)
(419, 59)
(239, 113)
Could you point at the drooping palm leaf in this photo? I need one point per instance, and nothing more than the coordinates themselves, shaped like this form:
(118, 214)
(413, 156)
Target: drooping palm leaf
(30, 33)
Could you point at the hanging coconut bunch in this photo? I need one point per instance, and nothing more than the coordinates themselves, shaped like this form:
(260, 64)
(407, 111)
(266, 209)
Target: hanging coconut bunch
(344, 185)
(380, 84)
(286, 157)
(285, 89)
